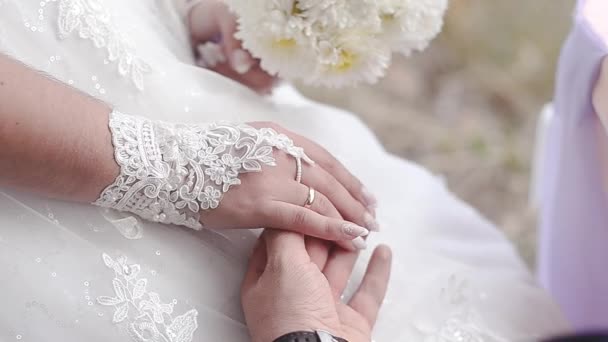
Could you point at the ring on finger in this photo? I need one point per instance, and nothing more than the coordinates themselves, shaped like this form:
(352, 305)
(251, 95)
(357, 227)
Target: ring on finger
(311, 197)
(298, 170)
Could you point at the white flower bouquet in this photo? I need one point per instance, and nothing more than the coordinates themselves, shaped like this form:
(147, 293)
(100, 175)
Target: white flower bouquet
(335, 43)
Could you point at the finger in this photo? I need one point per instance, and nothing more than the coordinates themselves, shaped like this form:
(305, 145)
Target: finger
(328, 162)
(318, 250)
(256, 265)
(322, 205)
(370, 295)
(338, 270)
(334, 167)
(281, 215)
(203, 22)
(256, 79)
(284, 247)
(259, 80)
(240, 60)
(349, 207)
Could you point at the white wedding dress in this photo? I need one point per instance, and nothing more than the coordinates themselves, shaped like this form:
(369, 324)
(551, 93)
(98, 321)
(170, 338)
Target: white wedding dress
(80, 273)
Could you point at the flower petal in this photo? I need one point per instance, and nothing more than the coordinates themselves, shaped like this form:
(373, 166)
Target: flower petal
(110, 301)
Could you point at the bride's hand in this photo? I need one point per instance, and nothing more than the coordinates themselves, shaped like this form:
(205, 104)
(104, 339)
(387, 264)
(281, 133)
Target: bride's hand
(211, 21)
(223, 175)
(274, 199)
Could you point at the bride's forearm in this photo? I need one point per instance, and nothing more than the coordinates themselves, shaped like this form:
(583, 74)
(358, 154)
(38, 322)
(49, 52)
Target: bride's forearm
(54, 140)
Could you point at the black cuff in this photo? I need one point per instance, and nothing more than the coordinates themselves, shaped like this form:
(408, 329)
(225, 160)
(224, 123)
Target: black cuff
(304, 336)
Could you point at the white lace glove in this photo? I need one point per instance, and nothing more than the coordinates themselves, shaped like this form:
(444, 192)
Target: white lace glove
(171, 173)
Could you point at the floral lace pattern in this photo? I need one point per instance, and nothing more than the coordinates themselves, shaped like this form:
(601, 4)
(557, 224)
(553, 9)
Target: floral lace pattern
(170, 172)
(126, 224)
(90, 20)
(148, 317)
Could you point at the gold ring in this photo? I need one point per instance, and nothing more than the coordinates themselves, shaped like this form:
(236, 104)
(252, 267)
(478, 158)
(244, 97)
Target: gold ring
(311, 197)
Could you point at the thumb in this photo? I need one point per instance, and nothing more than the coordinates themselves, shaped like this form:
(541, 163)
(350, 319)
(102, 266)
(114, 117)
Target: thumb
(204, 23)
(256, 266)
(285, 248)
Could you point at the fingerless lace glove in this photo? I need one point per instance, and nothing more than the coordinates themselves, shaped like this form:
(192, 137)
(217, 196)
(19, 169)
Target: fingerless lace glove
(170, 172)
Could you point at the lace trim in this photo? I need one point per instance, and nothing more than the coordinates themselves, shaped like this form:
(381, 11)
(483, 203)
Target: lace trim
(148, 317)
(126, 224)
(91, 21)
(170, 172)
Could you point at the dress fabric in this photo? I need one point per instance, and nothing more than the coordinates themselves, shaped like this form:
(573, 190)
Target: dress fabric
(74, 272)
(574, 206)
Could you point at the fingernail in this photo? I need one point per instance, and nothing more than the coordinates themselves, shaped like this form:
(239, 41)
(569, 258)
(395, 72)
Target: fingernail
(371, 223)
(240, 61)
(359, 243)
(369, 198)
(353, 230)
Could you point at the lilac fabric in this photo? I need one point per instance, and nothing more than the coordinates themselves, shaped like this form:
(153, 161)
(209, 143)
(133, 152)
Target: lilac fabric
(573, 262)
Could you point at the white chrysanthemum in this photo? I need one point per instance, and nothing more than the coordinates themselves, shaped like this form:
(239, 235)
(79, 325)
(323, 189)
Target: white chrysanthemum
(326, 15)
(350, 57)
(409, 25)
(335, 42)
(274, 33)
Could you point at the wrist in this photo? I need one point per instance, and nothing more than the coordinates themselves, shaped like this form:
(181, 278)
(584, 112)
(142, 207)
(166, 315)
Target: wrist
(271, 332)
(310, 336)
(94, 170)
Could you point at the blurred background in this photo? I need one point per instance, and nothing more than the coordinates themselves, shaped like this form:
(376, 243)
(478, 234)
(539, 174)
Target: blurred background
(467, 107)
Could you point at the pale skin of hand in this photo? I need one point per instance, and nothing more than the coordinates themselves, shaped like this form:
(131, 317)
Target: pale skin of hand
(295, 283)
(56, 142)
(210, 19)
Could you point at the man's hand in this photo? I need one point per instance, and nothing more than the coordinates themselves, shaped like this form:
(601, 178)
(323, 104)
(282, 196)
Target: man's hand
(295, 285)
(211, 21)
